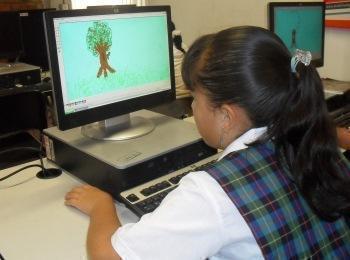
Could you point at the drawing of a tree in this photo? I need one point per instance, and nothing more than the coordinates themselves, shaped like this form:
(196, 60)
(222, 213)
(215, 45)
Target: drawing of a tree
(99, 42)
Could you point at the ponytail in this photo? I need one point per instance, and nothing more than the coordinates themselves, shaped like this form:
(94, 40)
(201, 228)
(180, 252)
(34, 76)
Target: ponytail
(306, 138)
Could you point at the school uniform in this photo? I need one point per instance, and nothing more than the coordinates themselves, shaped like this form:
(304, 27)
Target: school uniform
(205, 218)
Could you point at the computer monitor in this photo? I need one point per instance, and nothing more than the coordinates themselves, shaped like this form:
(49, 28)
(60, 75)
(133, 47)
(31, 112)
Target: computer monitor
(300, 25)
(10, 36)
(107, 63)
(33, 36)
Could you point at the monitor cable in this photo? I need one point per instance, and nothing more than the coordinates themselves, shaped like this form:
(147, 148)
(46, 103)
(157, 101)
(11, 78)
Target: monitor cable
(44, 173)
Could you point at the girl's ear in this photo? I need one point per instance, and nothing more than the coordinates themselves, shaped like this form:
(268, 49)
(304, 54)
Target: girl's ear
(228, 115)
(234, 118)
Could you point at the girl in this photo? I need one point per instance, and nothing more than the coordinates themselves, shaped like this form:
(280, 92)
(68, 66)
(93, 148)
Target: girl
(281, 187)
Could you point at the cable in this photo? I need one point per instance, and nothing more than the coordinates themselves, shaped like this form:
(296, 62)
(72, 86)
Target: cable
(46, 173)
(20, 148)
(19, 170)
(43, 174)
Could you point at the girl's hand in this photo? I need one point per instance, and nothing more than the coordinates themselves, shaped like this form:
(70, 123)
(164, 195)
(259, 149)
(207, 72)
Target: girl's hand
(87, 199)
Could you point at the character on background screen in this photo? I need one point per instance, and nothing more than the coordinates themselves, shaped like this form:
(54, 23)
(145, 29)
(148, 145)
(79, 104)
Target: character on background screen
(99, 42)
(294, 39)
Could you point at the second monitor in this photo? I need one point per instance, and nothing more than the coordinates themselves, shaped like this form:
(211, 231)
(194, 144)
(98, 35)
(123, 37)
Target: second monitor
(33, 37)
(11, 46)
(300, 25)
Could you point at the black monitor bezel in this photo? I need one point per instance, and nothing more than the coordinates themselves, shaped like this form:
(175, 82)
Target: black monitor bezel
(110, 6)
(40, 59)
(12, 55)
(68, 121)
(271, 15)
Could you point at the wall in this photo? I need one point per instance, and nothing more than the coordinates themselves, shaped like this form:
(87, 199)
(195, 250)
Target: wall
(197, 17)
(7, 5)
(337, 54)
(55, 3)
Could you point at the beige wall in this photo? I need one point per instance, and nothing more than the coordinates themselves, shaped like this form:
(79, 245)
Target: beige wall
(197, 17)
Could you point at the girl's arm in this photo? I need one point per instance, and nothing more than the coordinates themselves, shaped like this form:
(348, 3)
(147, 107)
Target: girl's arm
(343, 137)
(103, 220)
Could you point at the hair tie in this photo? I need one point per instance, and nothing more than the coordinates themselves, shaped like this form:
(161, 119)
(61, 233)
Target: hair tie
(300, 56)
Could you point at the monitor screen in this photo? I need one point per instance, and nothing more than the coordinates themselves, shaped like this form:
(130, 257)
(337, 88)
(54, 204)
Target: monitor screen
(33, 36)
(10, 36)
(300, 25)
(106, 64)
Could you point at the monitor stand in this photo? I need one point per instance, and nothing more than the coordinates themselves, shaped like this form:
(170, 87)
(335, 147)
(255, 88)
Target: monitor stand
(119, 128)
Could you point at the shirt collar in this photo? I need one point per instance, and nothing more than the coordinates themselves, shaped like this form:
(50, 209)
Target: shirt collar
(246, 138)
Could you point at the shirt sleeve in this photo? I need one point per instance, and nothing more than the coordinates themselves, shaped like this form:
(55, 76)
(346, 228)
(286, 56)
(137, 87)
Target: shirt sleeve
(187, 225)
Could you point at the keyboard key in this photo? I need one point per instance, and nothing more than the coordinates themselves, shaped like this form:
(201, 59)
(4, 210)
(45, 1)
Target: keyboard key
(155, 193)
(132, 197)
(146, 192)
(151, 203)
(155, 188)
(174, 180)
(163, 185)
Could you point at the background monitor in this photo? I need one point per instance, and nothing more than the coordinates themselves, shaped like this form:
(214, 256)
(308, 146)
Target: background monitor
(33, 36)
(300, 25)
(10, 36)
(106, 64)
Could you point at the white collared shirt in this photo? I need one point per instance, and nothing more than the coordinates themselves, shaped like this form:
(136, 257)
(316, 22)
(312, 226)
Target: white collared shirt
(195, 221)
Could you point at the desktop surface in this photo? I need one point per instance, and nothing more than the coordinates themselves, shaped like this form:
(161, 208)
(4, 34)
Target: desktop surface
(35, 223)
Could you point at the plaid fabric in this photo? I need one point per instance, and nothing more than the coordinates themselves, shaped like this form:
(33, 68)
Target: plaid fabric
(280, 219)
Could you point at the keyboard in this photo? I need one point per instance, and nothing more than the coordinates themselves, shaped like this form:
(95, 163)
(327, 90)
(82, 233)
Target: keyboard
(339, 109)
(146, 197)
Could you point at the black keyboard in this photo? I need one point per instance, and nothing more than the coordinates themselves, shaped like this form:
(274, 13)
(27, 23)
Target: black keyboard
(146, 197)
(339, 109)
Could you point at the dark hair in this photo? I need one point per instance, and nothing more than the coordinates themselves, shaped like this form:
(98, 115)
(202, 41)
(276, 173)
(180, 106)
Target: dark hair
(250, 67)
(177, 39)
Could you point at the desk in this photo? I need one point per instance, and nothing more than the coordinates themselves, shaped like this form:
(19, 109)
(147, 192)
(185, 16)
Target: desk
(34, 222)
(335, 87)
